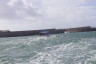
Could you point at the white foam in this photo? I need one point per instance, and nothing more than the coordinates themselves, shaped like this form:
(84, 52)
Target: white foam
(74, 53)
(80, 52)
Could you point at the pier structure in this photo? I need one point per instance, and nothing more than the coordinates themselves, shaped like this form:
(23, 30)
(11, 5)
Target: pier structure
(7, 33)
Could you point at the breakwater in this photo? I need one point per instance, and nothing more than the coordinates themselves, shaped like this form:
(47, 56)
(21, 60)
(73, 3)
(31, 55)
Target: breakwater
(7, 33)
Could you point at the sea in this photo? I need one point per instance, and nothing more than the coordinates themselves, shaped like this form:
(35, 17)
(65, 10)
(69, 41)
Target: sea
(69, 48)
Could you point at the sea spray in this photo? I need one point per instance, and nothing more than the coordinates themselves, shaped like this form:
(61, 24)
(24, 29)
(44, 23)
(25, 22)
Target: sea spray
(69, 48)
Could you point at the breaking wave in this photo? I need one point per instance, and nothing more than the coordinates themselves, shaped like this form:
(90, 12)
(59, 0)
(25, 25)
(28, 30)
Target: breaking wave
(70, 48)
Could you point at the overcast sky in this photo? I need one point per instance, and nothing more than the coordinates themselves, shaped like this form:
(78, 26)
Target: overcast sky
(42, 14)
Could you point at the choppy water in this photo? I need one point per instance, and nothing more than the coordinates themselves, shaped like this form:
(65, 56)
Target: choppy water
(71, 48)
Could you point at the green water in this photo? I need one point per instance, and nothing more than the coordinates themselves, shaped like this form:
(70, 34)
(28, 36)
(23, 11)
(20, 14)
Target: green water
(70, 48)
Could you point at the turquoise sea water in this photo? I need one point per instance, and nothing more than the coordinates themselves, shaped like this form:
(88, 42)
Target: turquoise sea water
(70, 48)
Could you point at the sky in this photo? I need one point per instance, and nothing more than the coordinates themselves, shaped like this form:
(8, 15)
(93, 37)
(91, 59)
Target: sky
(16, 15)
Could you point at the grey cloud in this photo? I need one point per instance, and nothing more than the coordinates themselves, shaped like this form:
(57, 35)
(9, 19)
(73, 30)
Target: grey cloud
(5, 11)
(53, 14)
(10, 12)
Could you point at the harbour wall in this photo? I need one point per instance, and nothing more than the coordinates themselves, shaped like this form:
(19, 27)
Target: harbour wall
(29, 33)
(81, 29)
(7, 33)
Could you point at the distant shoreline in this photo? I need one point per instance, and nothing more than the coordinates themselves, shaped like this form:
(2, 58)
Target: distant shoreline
(7, 33)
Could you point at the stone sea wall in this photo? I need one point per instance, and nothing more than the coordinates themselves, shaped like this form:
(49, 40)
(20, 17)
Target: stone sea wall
(27, 33)
(7, 33)
(81, 29)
